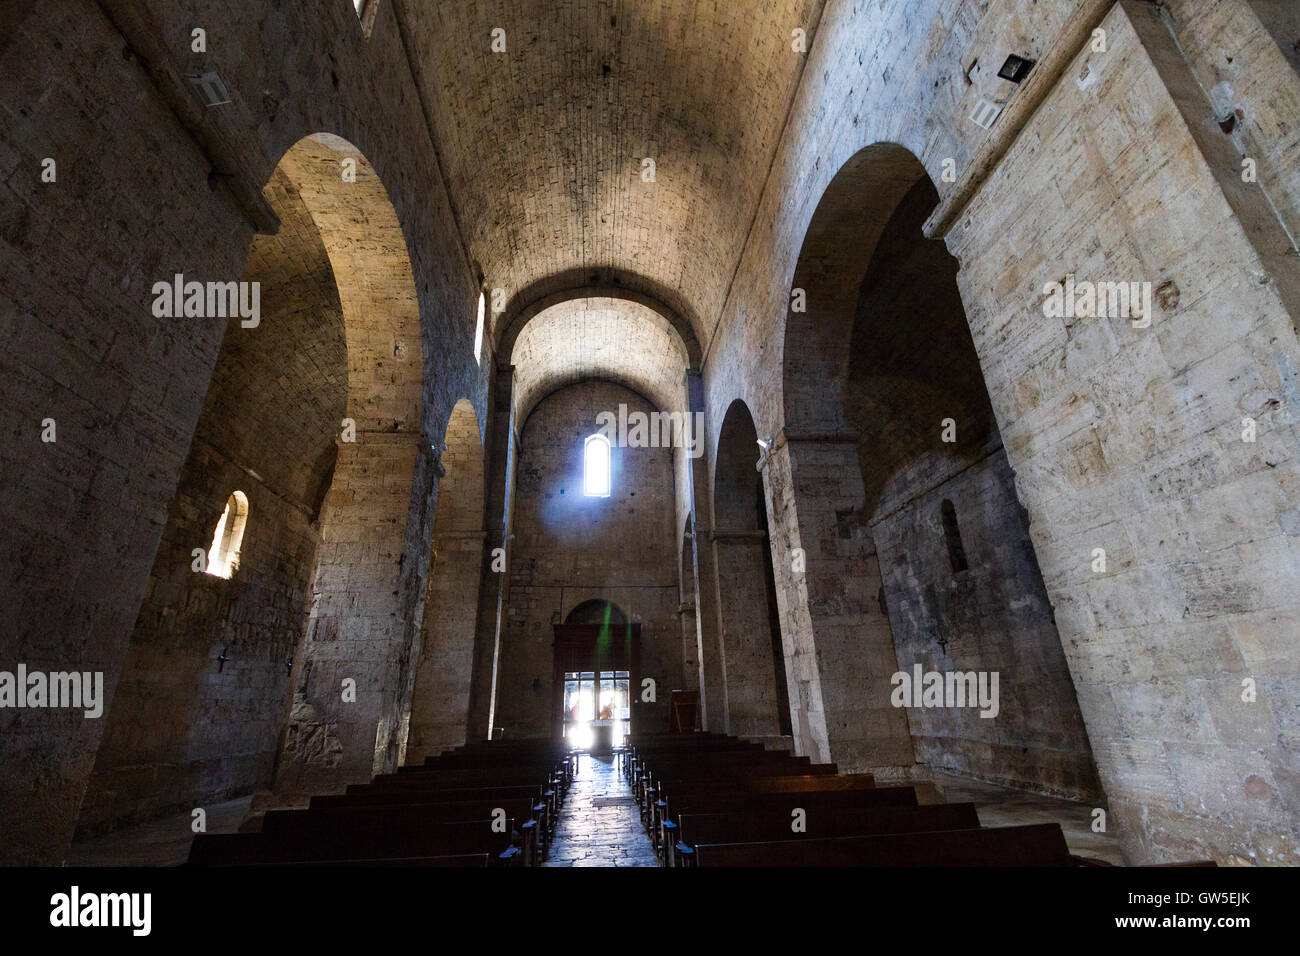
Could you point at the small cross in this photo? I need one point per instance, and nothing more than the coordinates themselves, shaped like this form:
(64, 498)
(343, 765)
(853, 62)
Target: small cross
(221, 660)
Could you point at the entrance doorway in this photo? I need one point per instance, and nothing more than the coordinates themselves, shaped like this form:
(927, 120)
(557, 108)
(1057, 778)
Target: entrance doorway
(595, 670)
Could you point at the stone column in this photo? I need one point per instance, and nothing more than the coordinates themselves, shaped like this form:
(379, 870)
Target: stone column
(354, 673)
(708, 650)
(444, 675)
(838, 645)
(744, 633)
(499, 482)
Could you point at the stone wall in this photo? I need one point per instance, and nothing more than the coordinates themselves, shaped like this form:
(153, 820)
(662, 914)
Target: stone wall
(569, 549)
(1130, 440)
(149, 186)
(268, 428)
(919, 407)
(1106, 164)
(993, 616)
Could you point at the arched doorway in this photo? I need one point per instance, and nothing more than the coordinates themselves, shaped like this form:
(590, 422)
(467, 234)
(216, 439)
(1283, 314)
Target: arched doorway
(597, 657)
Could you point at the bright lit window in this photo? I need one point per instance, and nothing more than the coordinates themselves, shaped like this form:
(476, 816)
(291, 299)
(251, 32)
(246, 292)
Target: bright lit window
(223, 556)
(595, 467)
(478, 329)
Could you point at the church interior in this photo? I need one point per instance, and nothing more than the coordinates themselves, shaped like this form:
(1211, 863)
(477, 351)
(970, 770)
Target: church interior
(650, 433)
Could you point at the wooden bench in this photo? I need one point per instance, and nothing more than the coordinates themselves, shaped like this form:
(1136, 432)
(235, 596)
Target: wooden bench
(767, 825)
(411, 817)
(674, 794)
(662, 778)
(544, 799)
(327, 843)
(1037, 845)
(471, 860)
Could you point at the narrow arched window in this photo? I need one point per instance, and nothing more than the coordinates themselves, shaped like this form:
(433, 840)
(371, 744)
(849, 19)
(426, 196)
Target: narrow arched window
(223, 556)
(478, 329)
(952, 535)
(595, 467)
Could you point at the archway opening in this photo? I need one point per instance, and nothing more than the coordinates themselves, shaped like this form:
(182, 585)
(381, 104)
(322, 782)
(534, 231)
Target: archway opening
(223, 555)
(206, 683)
(570, 549)
(754, 667)
(936, 528)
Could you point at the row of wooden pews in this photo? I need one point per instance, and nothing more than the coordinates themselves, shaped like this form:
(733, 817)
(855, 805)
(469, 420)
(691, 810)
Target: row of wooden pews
(480, 805)
(710, 800)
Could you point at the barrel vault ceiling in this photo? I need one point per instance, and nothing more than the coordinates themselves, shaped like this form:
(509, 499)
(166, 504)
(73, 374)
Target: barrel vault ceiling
(542, 147)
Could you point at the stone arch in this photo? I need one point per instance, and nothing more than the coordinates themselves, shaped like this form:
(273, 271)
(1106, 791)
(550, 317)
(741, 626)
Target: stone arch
(753, 662)
(439, 714)
(206, 679)
(368, 588)
(529, 304)
(598, 611)
(885, 392)
(836, 251)
(584, 334)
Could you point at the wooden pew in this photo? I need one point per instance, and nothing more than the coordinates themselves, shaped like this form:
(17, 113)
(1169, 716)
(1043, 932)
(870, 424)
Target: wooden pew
(779, 805)
(479, 860)
(362, 795)
(638, 761)
(352, 845)
(747, 826)
(662, 776)
(435, 791)
(638, 757)
(674, 794)
(431, 779)
(410, 817)
(1037, 845)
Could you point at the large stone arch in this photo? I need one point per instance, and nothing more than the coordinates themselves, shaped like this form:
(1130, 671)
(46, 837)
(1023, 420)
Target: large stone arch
(833, 259)
(205, 680)
(608, 332)
(353, 673)
(532, 302)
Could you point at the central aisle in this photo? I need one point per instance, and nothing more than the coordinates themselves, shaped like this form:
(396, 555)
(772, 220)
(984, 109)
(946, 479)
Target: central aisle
(599, 823)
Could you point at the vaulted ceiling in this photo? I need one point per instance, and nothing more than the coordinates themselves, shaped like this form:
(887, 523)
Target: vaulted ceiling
(609, 338)
(543, 145)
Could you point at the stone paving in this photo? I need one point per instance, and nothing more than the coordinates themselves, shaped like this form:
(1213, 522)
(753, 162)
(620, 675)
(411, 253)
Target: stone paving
(599, 824)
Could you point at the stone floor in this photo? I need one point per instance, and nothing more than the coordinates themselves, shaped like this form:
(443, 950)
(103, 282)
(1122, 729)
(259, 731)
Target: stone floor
(599, 822)
(162, 842)
(1002, 807)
